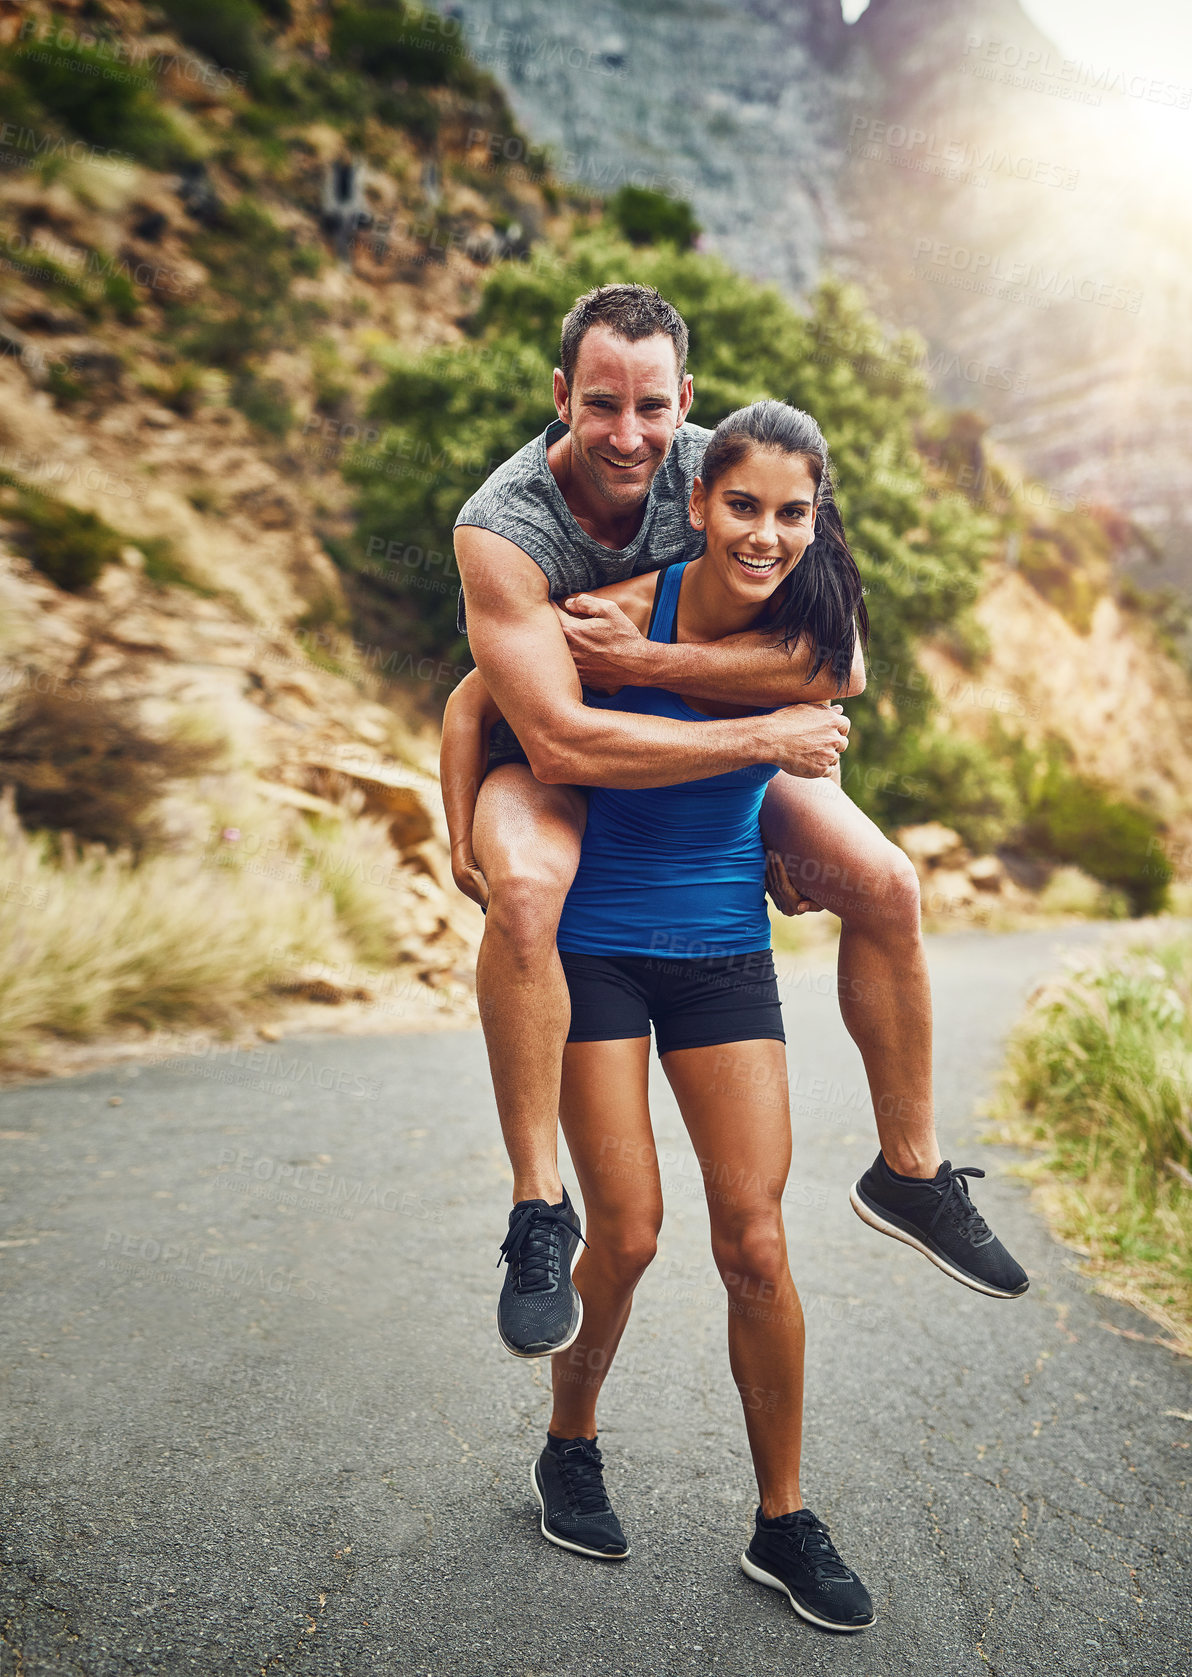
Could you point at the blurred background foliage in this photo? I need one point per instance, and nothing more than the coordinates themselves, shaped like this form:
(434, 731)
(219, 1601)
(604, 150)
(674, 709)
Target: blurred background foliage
(925, 508)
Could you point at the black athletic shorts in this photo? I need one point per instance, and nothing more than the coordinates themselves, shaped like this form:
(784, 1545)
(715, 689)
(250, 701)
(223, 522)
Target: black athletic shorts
(692, 1004)
(504, 746)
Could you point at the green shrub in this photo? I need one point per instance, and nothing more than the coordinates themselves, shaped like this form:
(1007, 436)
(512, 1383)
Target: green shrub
(65, 390)
(21, 106)
(934, 775)
(183, 388)
(385, 41)
(301, 90)
(412, 111)
(1071, 892)
(651, 218)
(1166, 612)
(1048, 564)
(326, 611)
(69, 546)
(263, 402)
(164, 569)
(121, 296)
(68, 283)
(1108, 1053)
(91, 286)
(1116, 842)
(332, 383)
(225, 31)
(260, 121)
(1077, 819)
(107, 103)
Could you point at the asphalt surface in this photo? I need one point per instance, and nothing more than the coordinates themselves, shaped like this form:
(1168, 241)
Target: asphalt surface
(252, 1433)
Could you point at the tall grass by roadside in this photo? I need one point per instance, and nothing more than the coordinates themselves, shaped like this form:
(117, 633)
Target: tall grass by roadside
(1098, 1081)
(92, 938)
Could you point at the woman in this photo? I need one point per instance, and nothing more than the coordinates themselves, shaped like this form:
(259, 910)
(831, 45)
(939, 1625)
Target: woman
(666, 923)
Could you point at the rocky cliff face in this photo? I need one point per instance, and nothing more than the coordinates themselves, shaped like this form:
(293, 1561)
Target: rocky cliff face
(218, 606)
(727, 105)
(1011, 206)
(997, 197)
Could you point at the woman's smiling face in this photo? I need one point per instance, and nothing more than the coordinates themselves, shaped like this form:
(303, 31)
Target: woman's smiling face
(759, 517)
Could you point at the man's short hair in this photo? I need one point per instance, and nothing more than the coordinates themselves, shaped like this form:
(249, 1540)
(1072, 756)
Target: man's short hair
(632, 312)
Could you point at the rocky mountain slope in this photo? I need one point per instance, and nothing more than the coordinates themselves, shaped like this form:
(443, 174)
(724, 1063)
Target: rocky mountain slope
(307, 728)
(201, 483)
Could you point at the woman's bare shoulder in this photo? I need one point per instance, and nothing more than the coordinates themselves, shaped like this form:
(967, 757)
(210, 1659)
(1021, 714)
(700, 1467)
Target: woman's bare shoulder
(634, 595)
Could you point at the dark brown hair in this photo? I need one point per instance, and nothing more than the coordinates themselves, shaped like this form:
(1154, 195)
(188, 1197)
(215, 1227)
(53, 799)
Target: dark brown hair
(822, 600)
(632, 312)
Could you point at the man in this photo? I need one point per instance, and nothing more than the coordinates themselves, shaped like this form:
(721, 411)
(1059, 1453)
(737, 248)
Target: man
(603, 494)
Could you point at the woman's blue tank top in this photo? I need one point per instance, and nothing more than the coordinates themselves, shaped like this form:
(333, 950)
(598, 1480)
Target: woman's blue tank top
(676, 872)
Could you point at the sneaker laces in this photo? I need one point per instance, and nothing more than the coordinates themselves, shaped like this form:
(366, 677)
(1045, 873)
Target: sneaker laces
(808, 1532)
(533, 1243)
(954, 1198)
(581, 1465)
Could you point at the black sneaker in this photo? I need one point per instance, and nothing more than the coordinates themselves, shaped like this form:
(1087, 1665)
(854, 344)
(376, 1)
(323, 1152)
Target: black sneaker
(794, 1553)
(568, 1481)
(937, 1217)
(540, 1310)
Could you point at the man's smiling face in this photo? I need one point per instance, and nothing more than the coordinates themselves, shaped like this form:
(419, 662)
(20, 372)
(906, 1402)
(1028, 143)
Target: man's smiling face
(624, 407)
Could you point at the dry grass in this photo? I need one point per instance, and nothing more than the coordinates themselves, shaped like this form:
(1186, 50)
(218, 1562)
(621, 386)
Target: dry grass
(92, 939)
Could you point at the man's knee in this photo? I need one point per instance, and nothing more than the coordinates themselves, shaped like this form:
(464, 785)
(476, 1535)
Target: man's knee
(898, 887)
(525, 903)
(886, 897)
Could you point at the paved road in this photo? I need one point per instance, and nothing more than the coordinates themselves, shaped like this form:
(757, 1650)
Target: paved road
(247, 1436)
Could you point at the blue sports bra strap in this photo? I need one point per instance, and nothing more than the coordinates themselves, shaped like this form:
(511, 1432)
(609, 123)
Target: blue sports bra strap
(666, 602)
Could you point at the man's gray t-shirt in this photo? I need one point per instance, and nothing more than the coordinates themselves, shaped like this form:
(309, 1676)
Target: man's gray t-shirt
(522, 502)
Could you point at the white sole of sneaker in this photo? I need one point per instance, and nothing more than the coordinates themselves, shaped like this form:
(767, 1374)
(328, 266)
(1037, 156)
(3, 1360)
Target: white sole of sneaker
(561, 1346)
(867, 1215)
(576, 1548)
(752, 1570)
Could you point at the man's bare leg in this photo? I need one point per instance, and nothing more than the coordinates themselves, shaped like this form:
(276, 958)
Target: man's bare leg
(526, 838)
(836, 855)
